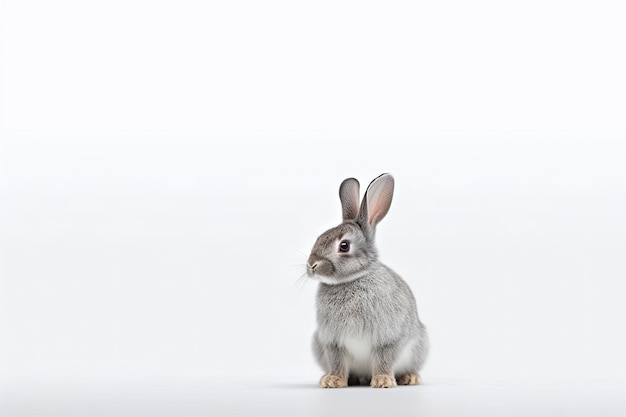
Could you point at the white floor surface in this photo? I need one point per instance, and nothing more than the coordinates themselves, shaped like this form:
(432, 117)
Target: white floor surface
(298, 397)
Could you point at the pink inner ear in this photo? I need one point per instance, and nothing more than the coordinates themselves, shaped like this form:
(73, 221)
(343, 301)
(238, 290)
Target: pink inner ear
(378, 211)
(379, 198)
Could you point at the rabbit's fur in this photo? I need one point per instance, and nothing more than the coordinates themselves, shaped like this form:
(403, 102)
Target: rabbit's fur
(368, 327)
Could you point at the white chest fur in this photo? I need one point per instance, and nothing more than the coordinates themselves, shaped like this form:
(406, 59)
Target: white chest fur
(360, 350)
(361, 354)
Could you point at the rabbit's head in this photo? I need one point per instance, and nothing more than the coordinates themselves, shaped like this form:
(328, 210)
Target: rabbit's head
(346, 252)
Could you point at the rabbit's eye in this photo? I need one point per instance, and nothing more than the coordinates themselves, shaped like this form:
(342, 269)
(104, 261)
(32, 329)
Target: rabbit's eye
(344, 246)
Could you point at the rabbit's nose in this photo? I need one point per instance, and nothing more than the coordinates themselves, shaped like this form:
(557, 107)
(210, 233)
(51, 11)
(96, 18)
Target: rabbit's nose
(312, 262)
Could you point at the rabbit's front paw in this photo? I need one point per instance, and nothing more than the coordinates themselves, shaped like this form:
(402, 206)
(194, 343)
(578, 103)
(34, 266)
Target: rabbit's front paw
(333, 381)
(409, 379)
(383, 381)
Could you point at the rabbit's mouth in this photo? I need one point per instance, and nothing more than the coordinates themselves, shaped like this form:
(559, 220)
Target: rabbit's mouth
(326, 272)
(319, 267)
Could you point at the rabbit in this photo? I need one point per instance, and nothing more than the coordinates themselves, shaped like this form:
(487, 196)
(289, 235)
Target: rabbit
(368, 327)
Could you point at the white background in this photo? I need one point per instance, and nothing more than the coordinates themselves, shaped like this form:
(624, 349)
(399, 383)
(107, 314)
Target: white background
(165, 167)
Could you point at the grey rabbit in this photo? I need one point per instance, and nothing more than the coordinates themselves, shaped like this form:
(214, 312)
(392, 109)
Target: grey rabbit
(368, 327)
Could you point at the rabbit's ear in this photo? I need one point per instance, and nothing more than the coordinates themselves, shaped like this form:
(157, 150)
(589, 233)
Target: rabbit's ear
(376, 201)
(349, 196)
